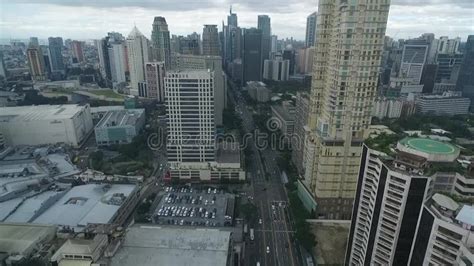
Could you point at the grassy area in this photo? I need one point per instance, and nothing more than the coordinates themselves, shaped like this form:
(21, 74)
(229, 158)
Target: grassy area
(107, 93)
(383, 142)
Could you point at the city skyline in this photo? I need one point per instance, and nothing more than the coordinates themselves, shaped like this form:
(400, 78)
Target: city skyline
(89, 20)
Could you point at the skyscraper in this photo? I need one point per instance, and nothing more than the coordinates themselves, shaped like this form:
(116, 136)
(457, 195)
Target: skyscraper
(311, 29)
(77, 48)
(55, 54)
(273, 44)
(137, 48)
(34, 41)
(36, 64)
(252, 55)
(465, 81)
(116, 52)
(155, 80)
(190, 115)
(232, 47)
(3, 70)
(414, 56)
(160, 39)
(345, 75)
(265, 26)
(210, 40)
(104, 61)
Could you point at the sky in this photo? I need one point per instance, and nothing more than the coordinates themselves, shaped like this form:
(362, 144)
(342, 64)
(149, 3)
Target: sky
(92, 19)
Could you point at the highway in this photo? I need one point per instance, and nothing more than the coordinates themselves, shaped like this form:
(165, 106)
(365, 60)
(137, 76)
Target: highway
(274, 229)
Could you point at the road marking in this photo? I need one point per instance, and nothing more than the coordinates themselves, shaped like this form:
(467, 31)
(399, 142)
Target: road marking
(264, 238)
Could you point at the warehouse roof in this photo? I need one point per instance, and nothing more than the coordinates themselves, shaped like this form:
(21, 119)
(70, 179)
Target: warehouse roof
(170, 246)
(40, 112)
(19, 238)
(120, 118)
(92, 203)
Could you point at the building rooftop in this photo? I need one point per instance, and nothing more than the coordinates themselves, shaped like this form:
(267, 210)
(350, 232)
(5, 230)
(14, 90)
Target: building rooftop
(116, 118)
(228, 153)
(429, 146)
(39, 112)
(445, 202)
(466, 215)
(170, 246)
(20, 238)
(92, 203)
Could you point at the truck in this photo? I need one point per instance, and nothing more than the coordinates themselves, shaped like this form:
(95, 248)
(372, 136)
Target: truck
(252, 236)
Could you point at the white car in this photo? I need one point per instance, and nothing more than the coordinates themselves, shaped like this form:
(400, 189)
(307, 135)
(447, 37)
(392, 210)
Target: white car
(268, 250)
(260, 221)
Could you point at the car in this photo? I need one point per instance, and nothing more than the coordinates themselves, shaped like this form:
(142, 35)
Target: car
(260, 221)
(268, 250)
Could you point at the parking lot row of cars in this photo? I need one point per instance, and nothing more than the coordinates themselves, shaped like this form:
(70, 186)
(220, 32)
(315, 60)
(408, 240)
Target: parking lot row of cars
(192, 223)
(188, 199)
(191, 190)
(181, 211)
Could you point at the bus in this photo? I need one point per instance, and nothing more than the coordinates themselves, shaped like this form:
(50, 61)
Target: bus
(252, 236)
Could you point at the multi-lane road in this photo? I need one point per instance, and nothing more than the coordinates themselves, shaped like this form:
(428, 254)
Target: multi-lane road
(273, 243)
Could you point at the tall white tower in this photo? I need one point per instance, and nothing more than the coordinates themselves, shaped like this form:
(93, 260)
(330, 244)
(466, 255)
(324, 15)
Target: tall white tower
(137, 45)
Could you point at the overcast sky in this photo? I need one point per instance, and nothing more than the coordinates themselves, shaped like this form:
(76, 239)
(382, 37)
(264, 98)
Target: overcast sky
(91, 19)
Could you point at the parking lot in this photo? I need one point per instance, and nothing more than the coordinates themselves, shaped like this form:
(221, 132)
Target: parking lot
(194, 206)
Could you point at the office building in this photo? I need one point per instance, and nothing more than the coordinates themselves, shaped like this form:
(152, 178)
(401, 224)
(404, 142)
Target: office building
(448, 46)
(342, 95)
(138, 55)
(189, 45)
(36, 63)
(276, 69)
(232, 37)
(301, 120)
(449, 66)
(210, 40)
(46, 124)
(284, 115)
(3, 69)
(465, 82)
(252, 55)
(447, 104)
(387, 107)
(398, 218)
(311, 29)
(119, 126)
(104, 62)
(155, 80)
(273, 44)
(190, 117)
(289, 54)
(258, 91)
(116, 50)
(34, 41)
(264, 25)
(213, 64)
(77, 48)
(55, 54)
(413, 60)
(304, 62)
(160, 39)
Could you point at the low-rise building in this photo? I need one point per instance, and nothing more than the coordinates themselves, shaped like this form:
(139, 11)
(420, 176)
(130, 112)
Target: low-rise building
(284, 117)
(80, 251)
(170, 246)
(119, 126)
(46, 124)
(258, 91)
(449, 103)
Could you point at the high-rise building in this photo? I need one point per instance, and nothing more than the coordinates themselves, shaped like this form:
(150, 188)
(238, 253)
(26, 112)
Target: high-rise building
(305, 60)
(301, 120)
(55, 54)
(36, 63)
(190, 44)
(137, 48)
(232, 19)
(265, 26)
(104, 62)
(273, 44)
(345, 77)
(210, 40)
(413, 59)
(465, 82)
(252, 55)
(399, 217)
(448, 46)
(3, 70)
(449, 66)
(116, 52)
(289, 54)
(77, 48)
(213, 64)
(155, 80)
(276, 69)
(190, 117)
(232, 36)
(34, 41)
(160, 39)
(311, 29)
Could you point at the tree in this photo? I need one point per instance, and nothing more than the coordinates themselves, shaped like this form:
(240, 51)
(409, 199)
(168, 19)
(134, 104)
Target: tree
(97, 160)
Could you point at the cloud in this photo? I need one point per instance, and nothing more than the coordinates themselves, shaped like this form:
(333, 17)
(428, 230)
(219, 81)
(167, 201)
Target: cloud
(89, 19)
